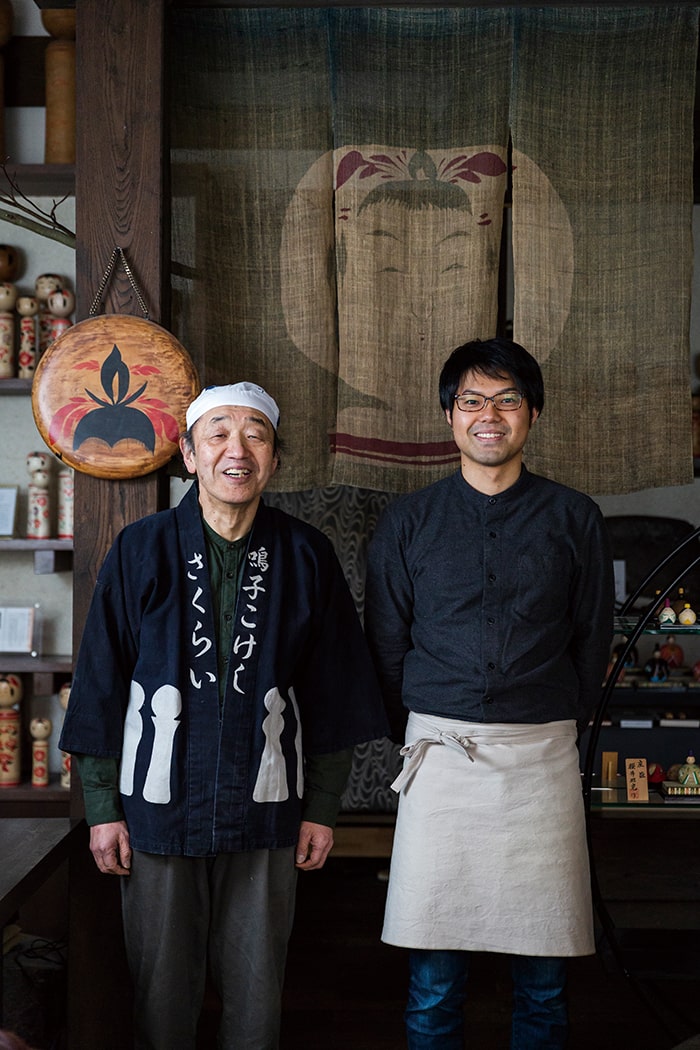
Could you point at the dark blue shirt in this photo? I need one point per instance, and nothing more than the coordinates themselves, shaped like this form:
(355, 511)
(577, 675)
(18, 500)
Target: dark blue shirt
(491, 608)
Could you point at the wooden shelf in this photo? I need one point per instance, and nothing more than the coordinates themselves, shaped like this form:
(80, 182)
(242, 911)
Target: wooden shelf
(21, 544)
(23, 663)
(15, 386)
(41, 180)
(53, 792)
(49, 555)
(25, 800)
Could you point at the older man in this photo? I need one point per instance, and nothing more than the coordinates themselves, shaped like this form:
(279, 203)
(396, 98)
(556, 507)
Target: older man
(221, 684)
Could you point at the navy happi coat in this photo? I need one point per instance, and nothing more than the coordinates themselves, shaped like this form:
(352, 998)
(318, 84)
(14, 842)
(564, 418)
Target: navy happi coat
(198, 777)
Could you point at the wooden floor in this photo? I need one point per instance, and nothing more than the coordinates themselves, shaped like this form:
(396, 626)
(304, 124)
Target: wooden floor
(345, 990)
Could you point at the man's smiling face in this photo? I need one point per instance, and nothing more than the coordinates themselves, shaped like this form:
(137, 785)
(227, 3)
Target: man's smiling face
(233, 456)
(488, 437)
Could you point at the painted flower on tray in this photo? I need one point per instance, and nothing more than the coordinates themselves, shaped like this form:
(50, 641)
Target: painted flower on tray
(115, 414)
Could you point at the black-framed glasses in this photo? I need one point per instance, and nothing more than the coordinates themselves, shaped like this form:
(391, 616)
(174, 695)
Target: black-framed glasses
(506, 401)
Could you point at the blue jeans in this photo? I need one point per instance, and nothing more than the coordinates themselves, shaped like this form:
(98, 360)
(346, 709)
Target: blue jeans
(437, 992)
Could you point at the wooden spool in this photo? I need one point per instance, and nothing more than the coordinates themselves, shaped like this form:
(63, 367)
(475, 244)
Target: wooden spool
(59, 146)
(110, 395)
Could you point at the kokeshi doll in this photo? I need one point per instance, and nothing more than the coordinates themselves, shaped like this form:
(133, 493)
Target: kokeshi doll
(59, 146)
(10, 729)
(37, 460)
(65, 504)
(61, 304)
(40, 731)
(44, 285)
(63, 698)
(39, 506)
(28, 309)
(8, 299)
(9, 262)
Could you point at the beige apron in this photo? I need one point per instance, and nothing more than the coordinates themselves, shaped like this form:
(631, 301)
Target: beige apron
(490, 849)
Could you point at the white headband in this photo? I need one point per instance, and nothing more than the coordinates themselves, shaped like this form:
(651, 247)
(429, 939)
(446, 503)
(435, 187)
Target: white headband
(246, 395)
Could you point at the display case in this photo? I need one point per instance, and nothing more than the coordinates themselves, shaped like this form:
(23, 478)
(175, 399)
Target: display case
(643, 718)
(660, 852)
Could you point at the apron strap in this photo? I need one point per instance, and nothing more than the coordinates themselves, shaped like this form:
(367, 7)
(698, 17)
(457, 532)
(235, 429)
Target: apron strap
(414, 753)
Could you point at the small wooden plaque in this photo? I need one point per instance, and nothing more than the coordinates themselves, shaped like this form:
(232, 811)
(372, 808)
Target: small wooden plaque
(637, 780)
(109, 396)
(609, 769)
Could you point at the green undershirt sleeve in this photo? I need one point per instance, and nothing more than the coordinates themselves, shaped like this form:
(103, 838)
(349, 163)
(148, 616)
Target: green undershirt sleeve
(100, 780)
(324, 783)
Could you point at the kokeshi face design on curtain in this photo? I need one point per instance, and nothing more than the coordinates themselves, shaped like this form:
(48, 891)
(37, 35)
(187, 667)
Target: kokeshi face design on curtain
(416, 240)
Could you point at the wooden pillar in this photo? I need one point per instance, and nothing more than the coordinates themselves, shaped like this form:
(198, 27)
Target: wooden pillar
(120, 201)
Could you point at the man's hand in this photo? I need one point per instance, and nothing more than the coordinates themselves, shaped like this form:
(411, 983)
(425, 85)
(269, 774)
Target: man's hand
(313, 846)
(109, 845)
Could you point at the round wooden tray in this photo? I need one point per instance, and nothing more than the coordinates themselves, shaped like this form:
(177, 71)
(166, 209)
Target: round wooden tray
(109, 396)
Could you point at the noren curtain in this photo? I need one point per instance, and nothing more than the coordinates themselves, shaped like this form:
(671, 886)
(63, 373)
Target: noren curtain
(602, 108)
(338, 182)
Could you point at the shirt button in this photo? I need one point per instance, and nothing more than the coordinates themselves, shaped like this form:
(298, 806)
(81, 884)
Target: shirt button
(493, 500)
(492, 576)
(229, 575)
(493, 535)
(227, 617)
(488, 699)
(491, 621)
(491, 666)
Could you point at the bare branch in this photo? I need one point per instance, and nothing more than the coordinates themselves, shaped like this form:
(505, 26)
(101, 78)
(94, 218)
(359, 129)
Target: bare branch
(56, 233)
(30, 216)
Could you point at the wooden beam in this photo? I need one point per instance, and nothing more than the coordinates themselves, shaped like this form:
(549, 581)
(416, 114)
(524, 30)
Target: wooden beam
(120, 201)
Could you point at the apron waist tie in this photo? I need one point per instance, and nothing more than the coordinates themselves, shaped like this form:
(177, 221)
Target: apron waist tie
(414, 753)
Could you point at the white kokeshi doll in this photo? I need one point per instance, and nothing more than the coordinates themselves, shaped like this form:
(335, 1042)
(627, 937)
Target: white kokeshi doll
(61, 304)
(63, 698)
(39, 501)
(40, 731)
(8, 298)
(37, 460)
(10, 730)
(65, 503)
(28, 309)
(44, 285)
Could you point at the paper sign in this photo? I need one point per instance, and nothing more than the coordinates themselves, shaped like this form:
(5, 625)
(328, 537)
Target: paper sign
(16, 629)
(637, 782)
